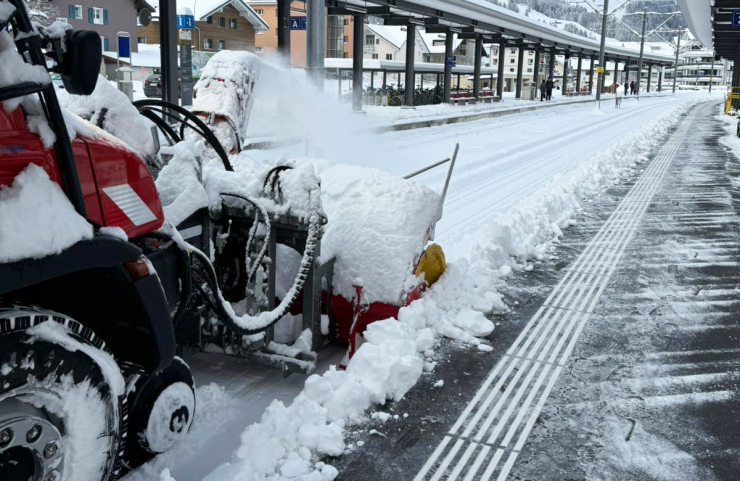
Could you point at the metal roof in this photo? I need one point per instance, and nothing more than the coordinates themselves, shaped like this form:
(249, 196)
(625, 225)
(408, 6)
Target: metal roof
(711, 24)
(495, 23)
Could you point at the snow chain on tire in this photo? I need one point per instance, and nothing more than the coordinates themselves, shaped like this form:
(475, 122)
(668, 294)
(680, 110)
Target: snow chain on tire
(33, 316)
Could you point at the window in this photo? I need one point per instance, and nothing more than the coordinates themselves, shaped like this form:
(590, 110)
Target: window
(511, 70)
(346, 39)
(75, 11)
(208, 44)
(375, 56)
(258, 49)
(104, 41)
(232, 23)
(258, 10)
(377, 41)
(346, 22)
(369, 39)
(141, 39)
(513, 50)
(221, 21)
(345, 55)
(209, 20)
(97, 16)
(530, 61)
(529, 70)
(513, 60)
(389, 56)
(221, 45)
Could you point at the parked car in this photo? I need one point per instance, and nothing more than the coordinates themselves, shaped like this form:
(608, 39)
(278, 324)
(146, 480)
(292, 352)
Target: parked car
(153, 85)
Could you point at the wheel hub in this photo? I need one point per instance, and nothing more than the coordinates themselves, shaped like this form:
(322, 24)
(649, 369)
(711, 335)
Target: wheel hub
(31, 446)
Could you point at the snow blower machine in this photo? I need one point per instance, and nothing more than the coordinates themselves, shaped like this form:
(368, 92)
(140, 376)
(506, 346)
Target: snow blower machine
(133, 234)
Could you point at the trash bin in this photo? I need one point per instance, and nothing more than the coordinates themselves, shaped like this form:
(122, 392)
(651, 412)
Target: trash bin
(126, 85)
(528, 90)
(384, 97)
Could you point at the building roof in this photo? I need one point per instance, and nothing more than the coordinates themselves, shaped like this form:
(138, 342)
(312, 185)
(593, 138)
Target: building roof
(202, 9)
(429, 39)
(396, 36)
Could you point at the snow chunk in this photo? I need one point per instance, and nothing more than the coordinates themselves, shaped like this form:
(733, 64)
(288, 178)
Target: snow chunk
(378, 224)
(110, 109)
(439, 383)
(178, 183)
(52, 331)
(36, 218)
(15, 70)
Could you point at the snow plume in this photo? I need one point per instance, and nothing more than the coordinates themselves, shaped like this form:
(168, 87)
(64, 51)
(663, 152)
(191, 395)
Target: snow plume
(36, 218)
(527, 231)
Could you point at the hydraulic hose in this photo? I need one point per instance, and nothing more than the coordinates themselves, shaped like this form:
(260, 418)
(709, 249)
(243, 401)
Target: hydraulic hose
(248, 324)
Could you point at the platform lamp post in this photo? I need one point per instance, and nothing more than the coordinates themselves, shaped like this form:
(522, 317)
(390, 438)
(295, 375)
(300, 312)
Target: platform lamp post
(602, 44)
(675, 64)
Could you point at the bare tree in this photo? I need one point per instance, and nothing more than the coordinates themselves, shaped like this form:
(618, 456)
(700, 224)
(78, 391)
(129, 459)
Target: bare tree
(42, 11)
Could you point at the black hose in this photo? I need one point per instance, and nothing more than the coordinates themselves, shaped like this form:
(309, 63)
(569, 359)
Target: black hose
(205, 132)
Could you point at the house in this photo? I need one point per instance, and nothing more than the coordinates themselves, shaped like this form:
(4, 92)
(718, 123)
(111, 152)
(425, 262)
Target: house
(219, 25)
(107, 17)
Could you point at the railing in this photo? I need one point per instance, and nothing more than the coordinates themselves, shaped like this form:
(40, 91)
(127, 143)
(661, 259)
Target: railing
(733, 95)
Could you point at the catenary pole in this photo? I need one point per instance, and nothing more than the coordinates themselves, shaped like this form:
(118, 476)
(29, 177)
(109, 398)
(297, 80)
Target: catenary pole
(642, 49)
(675, 64)
(600, 78)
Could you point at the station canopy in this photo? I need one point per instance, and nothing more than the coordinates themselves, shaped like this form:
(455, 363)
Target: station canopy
(490, 22)
(711, 23)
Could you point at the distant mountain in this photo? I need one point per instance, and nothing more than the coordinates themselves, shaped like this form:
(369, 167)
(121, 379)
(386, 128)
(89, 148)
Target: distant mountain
(580, 18)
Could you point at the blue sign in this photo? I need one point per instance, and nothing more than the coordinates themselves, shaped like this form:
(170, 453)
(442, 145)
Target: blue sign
(186, 21)
(452, 61)
(298, 23)
(124, 47)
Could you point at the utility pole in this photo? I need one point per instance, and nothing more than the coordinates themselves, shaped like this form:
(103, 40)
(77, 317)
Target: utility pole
(315, 42)
(600, 80)
(675, 65)
(642, 49)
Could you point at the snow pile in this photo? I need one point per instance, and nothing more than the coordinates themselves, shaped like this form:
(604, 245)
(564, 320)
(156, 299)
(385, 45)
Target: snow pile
(15, 70)
(526, 231)
(225, 89)
(6, 10)
(180, 190)
(378, 225)
(111, 110)
(36, 218)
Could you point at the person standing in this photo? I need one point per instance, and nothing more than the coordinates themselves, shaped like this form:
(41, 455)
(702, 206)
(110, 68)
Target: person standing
(543, 90)
(626, 87)
(548, 86)
(632, 88)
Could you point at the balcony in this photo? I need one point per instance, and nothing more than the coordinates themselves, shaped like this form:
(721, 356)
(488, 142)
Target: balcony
(367, 48)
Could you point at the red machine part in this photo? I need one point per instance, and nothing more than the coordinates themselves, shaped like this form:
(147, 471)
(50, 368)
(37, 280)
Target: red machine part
(118, 189)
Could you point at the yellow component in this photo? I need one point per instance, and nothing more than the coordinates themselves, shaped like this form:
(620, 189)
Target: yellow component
(432, 264)
(734, 95)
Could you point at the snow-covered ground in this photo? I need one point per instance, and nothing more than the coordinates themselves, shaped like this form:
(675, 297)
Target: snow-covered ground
(517, 182)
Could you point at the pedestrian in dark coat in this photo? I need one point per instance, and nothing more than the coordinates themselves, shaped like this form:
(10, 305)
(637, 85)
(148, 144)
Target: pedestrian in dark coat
(543, 90)
(549, 85)
(626, 87)
(632, 88)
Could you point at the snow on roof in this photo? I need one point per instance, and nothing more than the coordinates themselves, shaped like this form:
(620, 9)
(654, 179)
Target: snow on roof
(202, 9)
(399, 66)
(429, 39)
(396, 36)
(698, 17)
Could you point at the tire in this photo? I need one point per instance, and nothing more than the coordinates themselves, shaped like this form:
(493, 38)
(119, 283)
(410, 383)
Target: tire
(56, 375)
(162, 408)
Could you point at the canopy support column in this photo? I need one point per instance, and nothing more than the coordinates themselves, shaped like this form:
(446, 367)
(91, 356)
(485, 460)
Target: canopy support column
(536, 74)
(578, 74)
(650, 77)
(591, 75)
(410, 79)
(476, 67)
(519, 72)
(566, 64)
(357, 57)
(500, 79)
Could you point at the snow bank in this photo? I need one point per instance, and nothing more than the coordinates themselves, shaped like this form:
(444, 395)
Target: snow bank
(110, 109)
(526, 231)
(36, 218)
(180, 190)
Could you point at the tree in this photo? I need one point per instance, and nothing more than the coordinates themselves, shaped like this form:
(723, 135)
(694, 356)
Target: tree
(43, 11)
